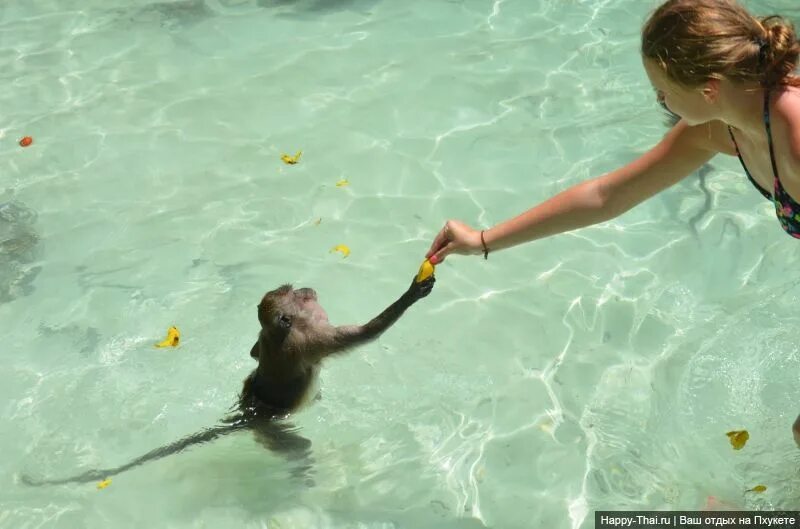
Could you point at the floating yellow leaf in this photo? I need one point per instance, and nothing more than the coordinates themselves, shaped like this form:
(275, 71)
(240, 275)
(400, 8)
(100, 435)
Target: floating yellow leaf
(546, 426)
(344, 250)
(291, 160)
(758, 488)
(738, 438)
(343, 182)
(103, 484)
(425, 271)
(173, 337)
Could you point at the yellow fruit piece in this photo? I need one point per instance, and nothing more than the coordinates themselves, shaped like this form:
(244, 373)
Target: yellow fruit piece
(738, 438)
(341, 248)
(291, 160)
(173, 338)
(425, 271)
(103, 484)
(758, 488)
(343, 182)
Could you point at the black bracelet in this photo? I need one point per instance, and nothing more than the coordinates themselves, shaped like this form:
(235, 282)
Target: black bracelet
(485, 249)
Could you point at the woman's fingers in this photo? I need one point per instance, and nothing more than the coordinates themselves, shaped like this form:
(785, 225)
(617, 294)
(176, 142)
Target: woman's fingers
(439, 256)
(439, 242)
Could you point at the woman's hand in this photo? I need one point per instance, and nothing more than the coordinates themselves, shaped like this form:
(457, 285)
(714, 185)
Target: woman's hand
(456, 237)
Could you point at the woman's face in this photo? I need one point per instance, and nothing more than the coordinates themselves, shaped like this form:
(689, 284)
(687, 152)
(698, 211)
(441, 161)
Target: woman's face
(691, 104)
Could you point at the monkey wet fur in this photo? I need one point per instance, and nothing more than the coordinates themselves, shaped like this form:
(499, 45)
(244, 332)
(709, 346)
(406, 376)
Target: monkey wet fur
(295, 337)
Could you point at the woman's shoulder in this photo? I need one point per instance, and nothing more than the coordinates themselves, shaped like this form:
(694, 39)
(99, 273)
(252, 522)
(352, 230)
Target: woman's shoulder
(711, 136)
(786, 108)
(787, 100)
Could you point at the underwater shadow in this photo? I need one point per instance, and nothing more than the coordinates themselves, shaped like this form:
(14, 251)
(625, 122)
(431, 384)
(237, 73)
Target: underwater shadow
(20, 251)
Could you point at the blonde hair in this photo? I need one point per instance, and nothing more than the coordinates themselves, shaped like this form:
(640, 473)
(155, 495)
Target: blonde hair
(697, 40)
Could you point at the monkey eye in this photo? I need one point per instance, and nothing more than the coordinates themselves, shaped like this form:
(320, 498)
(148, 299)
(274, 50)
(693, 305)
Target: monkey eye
(284, 321)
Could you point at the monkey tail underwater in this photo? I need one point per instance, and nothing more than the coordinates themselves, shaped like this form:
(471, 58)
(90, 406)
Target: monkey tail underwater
(202, 436)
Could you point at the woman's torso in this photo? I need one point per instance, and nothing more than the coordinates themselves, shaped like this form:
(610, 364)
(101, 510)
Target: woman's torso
(754, 149)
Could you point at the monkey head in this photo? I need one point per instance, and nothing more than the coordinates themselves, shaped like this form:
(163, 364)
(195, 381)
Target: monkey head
(796, 431)
(287, 309)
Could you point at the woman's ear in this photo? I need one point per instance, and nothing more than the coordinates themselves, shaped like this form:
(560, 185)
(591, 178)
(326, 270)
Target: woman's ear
(710, 90)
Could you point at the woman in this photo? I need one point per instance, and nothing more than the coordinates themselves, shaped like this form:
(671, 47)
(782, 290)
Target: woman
(731, 79)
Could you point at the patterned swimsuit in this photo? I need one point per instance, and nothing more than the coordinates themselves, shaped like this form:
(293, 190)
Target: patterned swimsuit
(786, 208)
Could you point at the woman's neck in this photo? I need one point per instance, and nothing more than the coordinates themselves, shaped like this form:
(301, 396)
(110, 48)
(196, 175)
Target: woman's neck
(742, 107)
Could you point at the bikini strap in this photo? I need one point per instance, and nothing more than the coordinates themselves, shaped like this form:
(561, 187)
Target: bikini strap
(761, 190)
(768, 126)
(735, 145)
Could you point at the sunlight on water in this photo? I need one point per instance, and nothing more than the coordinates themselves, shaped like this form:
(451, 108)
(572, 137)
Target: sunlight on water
(596, 370)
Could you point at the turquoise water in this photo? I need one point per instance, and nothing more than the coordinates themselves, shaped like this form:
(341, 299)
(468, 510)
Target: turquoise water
(595, 370)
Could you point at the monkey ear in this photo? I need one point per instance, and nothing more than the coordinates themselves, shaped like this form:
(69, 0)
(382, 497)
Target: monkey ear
(283, 321)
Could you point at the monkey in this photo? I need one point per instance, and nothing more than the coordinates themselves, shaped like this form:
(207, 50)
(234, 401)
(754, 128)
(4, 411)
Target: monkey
(796, 431)
(294, 339)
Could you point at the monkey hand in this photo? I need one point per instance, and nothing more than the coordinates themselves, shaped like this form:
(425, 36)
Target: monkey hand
(419, 290)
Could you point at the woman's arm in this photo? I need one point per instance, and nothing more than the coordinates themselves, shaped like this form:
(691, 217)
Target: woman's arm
(680, 153)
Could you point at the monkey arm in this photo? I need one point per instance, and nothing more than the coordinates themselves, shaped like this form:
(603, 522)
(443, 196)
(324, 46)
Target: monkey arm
(345, 337)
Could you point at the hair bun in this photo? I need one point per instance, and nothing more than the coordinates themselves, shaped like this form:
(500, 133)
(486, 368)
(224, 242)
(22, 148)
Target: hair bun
(783, 49)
